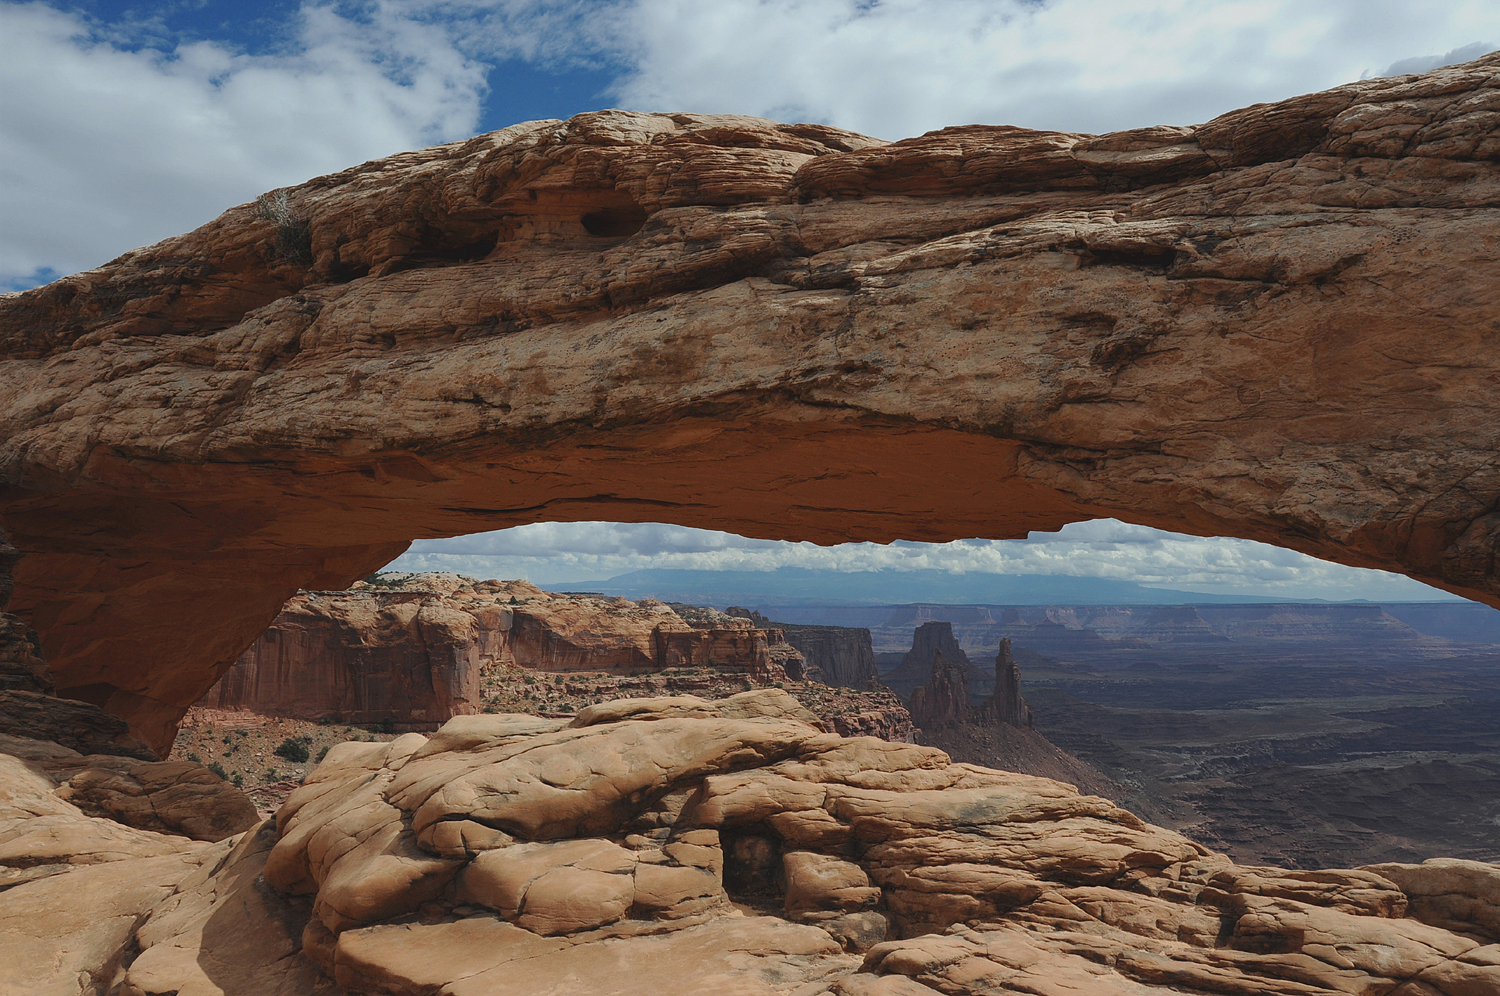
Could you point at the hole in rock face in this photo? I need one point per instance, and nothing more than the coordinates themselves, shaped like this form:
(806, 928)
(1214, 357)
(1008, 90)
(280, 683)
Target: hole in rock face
(589, 213)
(615, 222)
(752, 866)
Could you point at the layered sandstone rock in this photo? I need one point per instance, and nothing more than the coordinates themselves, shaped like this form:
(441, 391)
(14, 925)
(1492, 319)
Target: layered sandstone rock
(929, 641)
(841, 655)
(1007, 707)
(365, 657)
(652, 844)
(412, 651)
(1273, 325)
(944, 699)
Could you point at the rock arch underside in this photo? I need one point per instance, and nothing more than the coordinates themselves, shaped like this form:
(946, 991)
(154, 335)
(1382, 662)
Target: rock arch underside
(1280, 325)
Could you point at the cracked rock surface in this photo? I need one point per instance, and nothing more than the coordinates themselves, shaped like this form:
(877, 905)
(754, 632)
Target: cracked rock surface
(676, 844)
(762, 855)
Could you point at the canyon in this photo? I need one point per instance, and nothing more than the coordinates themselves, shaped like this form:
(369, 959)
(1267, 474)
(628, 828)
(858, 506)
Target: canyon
(1276, 325)
(1301, 735)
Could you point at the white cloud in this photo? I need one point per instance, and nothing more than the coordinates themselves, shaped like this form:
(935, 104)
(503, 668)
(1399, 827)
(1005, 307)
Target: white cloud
(103, 149)
(901, 67)
(1427, 63)
(116, 135)
(556, 552)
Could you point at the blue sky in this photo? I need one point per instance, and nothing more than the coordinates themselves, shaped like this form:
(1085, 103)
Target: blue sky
(124, 123)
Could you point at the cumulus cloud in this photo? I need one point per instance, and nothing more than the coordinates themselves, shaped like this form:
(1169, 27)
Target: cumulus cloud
(108, 143)
(558, 552)
(901, 67)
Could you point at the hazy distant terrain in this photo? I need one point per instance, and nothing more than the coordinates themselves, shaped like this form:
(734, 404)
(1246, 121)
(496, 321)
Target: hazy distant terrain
(1310, 735)
(877, 589)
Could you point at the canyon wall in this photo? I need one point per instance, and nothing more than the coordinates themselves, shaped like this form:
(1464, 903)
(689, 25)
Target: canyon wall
(1060, 630)
(929, 641)
(413, 655)
(1276, 325)
(362, 657)
(841, 655)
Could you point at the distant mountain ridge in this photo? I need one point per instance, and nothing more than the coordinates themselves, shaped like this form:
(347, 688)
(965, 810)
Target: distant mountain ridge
(807, 586)
(1067, 630)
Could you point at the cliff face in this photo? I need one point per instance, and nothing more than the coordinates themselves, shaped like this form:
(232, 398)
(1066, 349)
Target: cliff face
(928, 641)
(944, 699)
(1061, 630)
(414, 655)
(841, 656)
(1252, 327)
(364, 657)
(1007, 707)
(844, 655)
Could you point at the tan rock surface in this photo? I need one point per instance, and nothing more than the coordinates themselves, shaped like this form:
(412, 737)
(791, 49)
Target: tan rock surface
(725, 846)
(1276, 325)
(642, 830)
(167, 796)
(70, 935)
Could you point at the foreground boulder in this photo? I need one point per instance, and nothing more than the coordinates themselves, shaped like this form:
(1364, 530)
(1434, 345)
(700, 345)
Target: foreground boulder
(667, 845)
(1276, 325)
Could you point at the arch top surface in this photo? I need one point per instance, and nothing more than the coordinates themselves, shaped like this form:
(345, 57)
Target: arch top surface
(1282, 325)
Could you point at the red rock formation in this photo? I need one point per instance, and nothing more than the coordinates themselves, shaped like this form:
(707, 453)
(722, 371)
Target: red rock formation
(927, 642)
(840, 655)
(893, 723)
(944, 700)
(1253, 327)
(1007, 706)
(511, 855)
(413, 655)
(362, 657)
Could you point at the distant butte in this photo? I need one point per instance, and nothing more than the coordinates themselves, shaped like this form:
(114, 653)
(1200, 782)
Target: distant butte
(1278, 325)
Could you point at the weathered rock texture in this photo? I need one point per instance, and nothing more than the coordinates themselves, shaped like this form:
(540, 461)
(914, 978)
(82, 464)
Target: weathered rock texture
(1007, 707)
(1278, 325)
(944, 699)
(930, 641)
(655, 844)
(21, 665)
(841, 655)
(414, 655)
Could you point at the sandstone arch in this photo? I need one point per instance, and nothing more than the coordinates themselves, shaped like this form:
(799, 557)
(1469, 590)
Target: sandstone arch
(1282, 325)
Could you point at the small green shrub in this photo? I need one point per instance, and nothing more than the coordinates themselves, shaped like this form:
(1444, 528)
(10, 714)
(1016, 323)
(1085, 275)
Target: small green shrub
(239, 780)
(322, 754)
(387, 725)
(294, 749)
(218, 769)
(293, 235)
